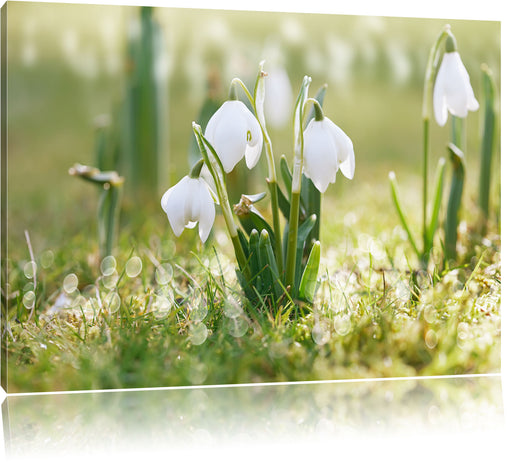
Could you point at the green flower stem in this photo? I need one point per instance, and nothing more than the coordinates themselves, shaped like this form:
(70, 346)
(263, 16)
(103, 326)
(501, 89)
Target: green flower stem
(317, 109)
(293, 222)
(219, 178)
(272, 186)
(291, 253)
(257, 105)
(108, 216)
(195, 171)
(430, 73)
(426, 129)
(111, 185)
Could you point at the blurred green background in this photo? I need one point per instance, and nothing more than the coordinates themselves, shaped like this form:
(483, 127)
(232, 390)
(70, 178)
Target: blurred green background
(66, 64)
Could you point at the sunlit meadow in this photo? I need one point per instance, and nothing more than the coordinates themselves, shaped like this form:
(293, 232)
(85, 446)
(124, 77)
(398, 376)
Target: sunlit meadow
(98, 292)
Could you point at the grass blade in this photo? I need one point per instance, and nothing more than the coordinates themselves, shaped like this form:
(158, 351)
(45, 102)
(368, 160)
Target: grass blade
(303, 234)
(308, 282)
(403, 220)
(434, 220)
(272, 263)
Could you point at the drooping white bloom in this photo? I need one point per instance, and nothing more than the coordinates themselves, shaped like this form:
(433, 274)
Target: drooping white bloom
(234, 132)
(452, 89)
(327, 148)
(187, 203)
(278, 97)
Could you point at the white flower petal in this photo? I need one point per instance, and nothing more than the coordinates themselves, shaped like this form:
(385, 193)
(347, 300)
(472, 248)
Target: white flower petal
(174, 206)
(348, 166)
(278, 97)
(254, 140)
(165, 197)
(452, 89)
(320, 159)
(188, 203)
(344, 149)
(206, 213)
(234, 132)
(226, 133)
(192, 202)
(440, 106)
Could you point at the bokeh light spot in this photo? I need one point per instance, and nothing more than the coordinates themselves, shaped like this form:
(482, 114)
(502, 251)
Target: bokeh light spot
(30, 269)
(70, 283)
(29, 299)
(197, 333)
(133, 267)
(237, 327)
(112, 302)
(163, 273)
(108, 265)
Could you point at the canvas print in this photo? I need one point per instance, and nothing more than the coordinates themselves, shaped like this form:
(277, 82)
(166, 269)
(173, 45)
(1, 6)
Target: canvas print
(204, 197)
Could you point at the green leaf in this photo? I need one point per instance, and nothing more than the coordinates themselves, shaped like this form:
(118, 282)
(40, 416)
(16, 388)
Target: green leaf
(254, 261)
(284, 203)
(401, 215)
(264, 269)
(94, 175)
(250, 218)
(308, 281)
(302, 235)
(314, 201)
(243, 241)
(253, 198)
(244, 284)
(270, 259)
(441, 167)
(454, 202)
(286, 174)
(305, 186)
(305, 228)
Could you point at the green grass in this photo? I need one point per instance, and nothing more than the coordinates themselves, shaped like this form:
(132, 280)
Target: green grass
(374, 316)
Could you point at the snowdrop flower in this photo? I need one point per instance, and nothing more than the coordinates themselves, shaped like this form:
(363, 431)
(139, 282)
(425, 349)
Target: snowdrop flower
(326, 148)
(187, 203)
(234, 132)
(278, 98)
(452, 89)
